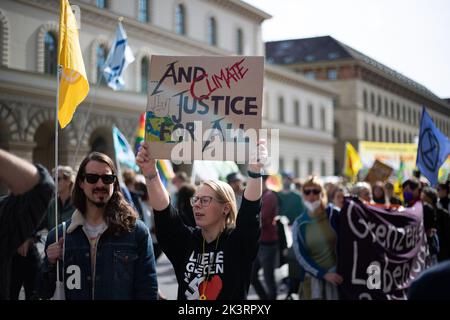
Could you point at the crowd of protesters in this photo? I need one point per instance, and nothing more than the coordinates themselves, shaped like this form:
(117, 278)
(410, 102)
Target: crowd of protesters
(298, 227)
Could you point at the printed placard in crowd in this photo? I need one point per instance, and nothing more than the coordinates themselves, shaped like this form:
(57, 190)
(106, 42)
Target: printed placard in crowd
(379, 172)
(203, 107)
(380, 251)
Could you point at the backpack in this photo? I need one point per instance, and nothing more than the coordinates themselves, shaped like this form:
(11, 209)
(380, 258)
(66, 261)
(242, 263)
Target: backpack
(284, 238)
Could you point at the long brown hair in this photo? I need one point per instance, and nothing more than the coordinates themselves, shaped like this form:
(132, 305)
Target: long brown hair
(119, 215)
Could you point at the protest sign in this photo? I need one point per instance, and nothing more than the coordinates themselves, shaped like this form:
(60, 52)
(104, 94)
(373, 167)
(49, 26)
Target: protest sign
(202, 107)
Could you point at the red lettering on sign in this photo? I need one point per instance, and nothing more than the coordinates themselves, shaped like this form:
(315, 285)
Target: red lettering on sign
(225, 77)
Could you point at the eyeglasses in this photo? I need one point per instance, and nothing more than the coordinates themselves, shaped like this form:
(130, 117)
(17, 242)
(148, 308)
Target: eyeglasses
(205, 201)
(307, 192)
(106, 178)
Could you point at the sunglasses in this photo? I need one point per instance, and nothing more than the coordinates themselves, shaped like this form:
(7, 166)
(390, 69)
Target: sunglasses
(93, 178)
(307, 192)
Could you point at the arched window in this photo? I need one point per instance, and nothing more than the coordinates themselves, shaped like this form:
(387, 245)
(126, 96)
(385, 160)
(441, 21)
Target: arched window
(212, 31)
(336, 129)
(310, 167)
(239, 41)
(323, 120)
(310, 116)
(380, 108)
(323, 168)
(365, 100)
(380, 133)
(101, 53)
(180, 19)
(100, 145)
(372, 102)
(143, 15)
(103, 4)
(386, 108)
(297, 113)
(403, 113)
(296, 168)
(387, 135)
(50, 53)
(366, 131)
(281, 109)
(374, 133)
(409, 116)
(144, 74)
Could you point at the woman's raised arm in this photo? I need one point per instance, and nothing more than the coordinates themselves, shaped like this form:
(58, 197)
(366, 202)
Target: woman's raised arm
(159, 197)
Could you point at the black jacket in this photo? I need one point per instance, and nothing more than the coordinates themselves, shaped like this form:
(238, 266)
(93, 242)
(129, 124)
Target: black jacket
(19, 217)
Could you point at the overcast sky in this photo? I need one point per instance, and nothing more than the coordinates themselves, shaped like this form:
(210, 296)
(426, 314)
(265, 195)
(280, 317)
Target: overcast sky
(409, 36)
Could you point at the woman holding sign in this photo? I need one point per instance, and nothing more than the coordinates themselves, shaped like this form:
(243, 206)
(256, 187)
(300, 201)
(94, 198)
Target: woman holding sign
(214, 260)
(314, 244)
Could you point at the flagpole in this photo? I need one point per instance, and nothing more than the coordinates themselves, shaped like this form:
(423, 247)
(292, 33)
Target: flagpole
(89, 111)
(58, 70)
(86, 120)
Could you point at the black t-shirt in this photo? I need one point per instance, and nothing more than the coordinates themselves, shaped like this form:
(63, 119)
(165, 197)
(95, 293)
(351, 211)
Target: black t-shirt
(228, 259)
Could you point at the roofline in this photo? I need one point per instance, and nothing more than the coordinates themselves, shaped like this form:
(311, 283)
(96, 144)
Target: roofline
(402, 83)
(287, 74)
(239, 6)
(384, 69)
(295, 39)
(362, 64)
(321, 63)
(401, 80)
(107, 19)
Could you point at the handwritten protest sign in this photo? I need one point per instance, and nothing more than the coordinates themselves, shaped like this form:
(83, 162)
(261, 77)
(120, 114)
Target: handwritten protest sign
(199, 107)
(380, 251)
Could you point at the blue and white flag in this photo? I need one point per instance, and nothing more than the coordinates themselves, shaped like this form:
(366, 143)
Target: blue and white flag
(124, 152)
(433, 149)
(118, 59)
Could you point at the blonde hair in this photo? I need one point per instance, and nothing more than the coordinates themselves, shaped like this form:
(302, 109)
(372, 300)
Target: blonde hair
(314, 181)
(225, 194)
(67, 172)
(359, 187)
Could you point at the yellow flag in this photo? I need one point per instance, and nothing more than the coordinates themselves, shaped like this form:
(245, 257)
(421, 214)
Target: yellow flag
(352, 161)
(73, 85)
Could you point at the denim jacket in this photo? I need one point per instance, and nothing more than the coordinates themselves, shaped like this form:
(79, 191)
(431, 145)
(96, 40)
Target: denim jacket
(124, 267)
